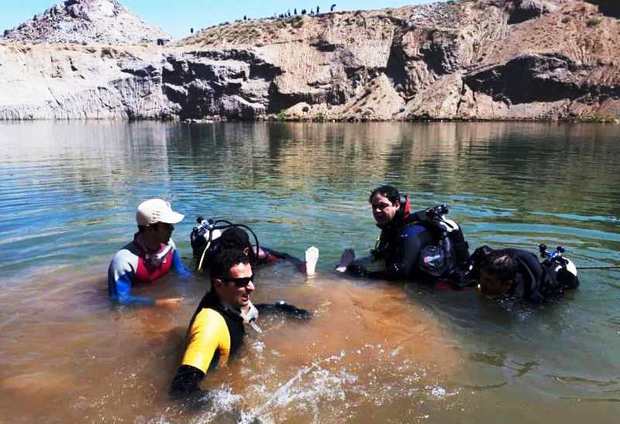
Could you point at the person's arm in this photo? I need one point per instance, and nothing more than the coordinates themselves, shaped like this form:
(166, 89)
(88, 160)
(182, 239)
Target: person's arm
(179, 267)
(120, 278)
(186, 381)
(283, 308)
(207, 334)
(359, 267)
(269, 255)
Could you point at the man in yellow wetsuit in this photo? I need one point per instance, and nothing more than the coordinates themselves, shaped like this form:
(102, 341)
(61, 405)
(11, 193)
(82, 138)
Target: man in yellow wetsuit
(217, 328)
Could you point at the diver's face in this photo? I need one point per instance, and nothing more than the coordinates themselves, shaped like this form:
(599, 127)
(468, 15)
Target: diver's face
(492, 286)
(236, 288)
(383, 210)
(163, 231)
(158, 233)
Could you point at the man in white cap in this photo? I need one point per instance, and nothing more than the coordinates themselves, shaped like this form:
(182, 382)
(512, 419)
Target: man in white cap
(150, 256)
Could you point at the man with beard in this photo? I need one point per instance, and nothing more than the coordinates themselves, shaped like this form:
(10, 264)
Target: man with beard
(423, 246)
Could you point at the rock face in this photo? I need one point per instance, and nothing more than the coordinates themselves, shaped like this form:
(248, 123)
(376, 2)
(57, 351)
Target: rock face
(473, 59)
(523, 10)
(86, 21)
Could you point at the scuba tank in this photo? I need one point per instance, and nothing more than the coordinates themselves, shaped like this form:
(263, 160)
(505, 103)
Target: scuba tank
(534, 280)
(205, 234)
(561, 271)
(449, 257)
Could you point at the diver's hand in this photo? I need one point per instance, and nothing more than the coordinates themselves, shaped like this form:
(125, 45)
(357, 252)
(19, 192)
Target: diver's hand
(347, 257)
(281, 307)
(169, 302)
(292, 310)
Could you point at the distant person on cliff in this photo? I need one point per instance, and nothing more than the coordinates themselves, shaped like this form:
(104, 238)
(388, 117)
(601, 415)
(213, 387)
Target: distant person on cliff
(518, 274)
(424, 246)
(217, 329)
(150, 256)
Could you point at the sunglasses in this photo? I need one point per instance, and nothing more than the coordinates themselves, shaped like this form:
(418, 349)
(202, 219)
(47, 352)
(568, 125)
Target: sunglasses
(241, 282)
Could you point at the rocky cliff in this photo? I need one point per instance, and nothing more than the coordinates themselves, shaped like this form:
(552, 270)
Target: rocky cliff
(470, 59)
(85, 22)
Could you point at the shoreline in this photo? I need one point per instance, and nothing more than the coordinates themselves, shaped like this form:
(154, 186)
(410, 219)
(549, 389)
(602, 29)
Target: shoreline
(195, 121)
(480, 61)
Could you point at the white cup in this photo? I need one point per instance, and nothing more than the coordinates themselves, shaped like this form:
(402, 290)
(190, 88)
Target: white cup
(312, 257)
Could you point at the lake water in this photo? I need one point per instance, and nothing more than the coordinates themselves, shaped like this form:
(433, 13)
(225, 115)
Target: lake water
(375, 352)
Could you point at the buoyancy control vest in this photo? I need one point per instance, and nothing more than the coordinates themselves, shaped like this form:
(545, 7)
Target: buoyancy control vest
(445, 257)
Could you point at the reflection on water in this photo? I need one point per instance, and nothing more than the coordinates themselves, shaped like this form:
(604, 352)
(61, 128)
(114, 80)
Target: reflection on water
(374, 352)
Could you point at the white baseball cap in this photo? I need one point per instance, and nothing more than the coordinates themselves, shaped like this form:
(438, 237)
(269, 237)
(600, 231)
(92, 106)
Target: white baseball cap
(156, 210)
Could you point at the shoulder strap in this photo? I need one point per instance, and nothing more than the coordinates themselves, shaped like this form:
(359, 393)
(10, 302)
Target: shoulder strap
(528, 285)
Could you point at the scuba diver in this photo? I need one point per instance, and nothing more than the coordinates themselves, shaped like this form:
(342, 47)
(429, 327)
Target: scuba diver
(209, 236)
(424, 246)
(217, 329)
(518, 274)
(150, 256)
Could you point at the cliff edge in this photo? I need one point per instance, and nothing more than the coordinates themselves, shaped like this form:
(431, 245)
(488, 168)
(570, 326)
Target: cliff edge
(468, 59)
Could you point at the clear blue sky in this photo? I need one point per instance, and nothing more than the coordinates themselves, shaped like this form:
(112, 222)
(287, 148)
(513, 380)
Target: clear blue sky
(176, 17)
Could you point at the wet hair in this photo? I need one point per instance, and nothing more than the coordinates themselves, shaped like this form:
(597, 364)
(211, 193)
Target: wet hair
(236, 238)
(388, 191)
(226, 258)
(500, 264)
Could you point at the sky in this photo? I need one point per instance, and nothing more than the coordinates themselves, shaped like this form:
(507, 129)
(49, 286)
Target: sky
(177, 17)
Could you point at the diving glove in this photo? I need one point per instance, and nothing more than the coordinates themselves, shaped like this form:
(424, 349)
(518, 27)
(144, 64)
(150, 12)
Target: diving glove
(285, 308)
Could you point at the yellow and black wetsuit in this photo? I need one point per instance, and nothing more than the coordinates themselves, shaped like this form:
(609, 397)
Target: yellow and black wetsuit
(215, 332)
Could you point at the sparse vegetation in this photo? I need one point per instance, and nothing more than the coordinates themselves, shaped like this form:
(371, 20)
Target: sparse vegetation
(598, 119)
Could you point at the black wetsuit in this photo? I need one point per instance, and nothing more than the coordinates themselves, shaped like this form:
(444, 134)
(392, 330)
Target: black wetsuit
(216, 332)
(399, 245)
(535, 282)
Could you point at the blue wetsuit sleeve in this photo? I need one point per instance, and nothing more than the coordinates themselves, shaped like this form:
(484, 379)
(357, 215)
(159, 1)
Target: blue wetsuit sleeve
(402, 262)
(120, 276)
(179, 266)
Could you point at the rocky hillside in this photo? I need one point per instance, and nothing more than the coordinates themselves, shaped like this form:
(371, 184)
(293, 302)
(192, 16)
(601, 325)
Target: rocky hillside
(86, 21)
(469, 59)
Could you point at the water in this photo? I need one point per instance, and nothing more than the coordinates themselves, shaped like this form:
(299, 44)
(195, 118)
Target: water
(375, 352)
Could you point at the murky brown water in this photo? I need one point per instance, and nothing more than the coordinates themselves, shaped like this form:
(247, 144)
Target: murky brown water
(367, 345)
